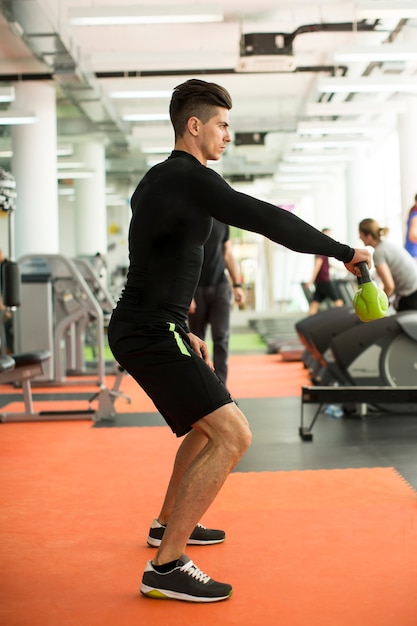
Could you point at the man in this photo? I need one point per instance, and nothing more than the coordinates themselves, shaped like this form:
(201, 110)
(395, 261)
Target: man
(6, 320)
(212, 300)
(172, 211)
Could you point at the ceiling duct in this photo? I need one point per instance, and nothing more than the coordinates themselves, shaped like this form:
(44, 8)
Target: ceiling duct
(273, 52)
(250, 139)
(266, 52)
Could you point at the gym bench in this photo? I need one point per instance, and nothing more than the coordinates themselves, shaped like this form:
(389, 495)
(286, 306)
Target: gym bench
(360, 395)
(6, 363)
(20, 369)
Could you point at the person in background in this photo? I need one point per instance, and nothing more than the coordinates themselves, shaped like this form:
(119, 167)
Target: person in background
(411, 231)
(211, 304)
(324, 288)
(394, 265)
(6, 318)
(173, 208)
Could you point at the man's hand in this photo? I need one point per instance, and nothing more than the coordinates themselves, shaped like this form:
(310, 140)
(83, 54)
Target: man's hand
(200, 346)
(193, 306)
(361, 254)
(239, 296)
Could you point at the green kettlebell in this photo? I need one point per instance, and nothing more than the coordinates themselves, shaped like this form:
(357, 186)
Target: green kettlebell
(370, 302)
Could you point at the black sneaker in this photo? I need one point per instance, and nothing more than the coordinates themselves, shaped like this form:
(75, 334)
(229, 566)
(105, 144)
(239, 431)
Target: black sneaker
(184, 582)
(201, 536)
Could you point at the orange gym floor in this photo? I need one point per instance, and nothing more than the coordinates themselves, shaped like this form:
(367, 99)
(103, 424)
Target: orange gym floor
(319, 533)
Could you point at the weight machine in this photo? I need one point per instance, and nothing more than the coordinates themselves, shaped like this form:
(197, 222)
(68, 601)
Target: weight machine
(57, 305)
(45, 327)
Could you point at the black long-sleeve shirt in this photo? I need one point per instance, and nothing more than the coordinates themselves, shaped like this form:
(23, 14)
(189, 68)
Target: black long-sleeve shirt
(172, 211)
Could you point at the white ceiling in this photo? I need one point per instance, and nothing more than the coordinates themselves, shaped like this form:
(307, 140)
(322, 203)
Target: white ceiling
(89, 63)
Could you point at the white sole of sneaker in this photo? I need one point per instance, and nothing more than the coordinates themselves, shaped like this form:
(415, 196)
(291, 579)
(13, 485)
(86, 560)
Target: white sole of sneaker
(196, 542)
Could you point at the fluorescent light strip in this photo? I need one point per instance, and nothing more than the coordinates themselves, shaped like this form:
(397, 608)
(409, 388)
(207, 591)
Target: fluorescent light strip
(398, 9)
(115, 199)
(338, 109)
(146, 117)
(337, 128)
(150, 162)
(62, 151)
(157, 150)
(7, 94)
(65, 150)
(330, 159)
(301, 178)
(308, 168)
(162, 14)
(70, 165)
(313, 144)
(297, 186)
(140, 95)
(74, 174)
(9, 118)
(380, 84)
(376, 54)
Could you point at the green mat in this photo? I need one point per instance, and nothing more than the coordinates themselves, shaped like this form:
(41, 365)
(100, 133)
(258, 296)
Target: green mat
(240, 343)
(244, 342)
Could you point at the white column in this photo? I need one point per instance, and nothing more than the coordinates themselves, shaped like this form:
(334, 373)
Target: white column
(330, 209)
(34, 166)
(90, 199)
(363, 190)
(407, 132)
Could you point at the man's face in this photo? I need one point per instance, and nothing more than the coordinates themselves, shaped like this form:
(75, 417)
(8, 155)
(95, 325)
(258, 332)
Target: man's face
(214, 135)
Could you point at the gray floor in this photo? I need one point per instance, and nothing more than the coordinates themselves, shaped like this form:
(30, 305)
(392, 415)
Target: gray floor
(378, 440)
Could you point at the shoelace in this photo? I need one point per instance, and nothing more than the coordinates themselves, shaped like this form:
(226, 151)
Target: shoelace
(192, 570)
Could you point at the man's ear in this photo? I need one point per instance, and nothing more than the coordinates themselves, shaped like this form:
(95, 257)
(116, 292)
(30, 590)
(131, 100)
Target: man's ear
(193, 125)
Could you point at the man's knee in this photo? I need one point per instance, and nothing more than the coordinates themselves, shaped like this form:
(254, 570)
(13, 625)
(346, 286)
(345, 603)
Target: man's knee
(228, 427)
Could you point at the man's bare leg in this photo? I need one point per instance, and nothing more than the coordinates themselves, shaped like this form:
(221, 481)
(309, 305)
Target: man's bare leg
(228, 437)
(191, 445)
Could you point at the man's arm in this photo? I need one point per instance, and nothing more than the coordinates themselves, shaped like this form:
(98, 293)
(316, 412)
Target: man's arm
(233, 269)
(283, 227)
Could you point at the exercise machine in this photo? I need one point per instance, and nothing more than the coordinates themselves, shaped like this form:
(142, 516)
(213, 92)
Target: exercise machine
(380, 353)
(57, 306)
(316, 332)
(21, 368)
(378, 361)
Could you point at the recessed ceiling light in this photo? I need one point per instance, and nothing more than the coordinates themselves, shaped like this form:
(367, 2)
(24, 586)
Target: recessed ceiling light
(153, 14)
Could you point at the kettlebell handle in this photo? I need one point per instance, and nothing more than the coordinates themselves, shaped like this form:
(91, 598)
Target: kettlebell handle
(365, 276)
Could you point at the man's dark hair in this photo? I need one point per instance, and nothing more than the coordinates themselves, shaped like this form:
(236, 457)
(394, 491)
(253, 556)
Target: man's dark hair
(199, 98)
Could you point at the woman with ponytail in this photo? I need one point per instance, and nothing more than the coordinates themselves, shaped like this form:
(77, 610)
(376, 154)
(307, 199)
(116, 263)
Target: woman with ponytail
(394, 265)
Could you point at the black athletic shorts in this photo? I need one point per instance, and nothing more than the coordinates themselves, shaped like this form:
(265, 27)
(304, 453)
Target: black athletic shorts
(325, 290)
(159, 357)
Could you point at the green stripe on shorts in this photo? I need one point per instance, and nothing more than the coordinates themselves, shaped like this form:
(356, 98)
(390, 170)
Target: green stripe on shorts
(178, 339)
